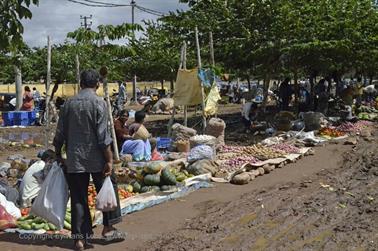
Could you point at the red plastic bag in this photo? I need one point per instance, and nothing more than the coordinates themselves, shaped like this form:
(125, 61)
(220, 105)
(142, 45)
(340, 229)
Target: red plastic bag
(6, 220)
(156, 155)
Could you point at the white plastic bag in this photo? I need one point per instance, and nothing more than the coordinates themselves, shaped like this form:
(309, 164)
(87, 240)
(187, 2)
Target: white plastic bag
(51, 202)
(106, 198)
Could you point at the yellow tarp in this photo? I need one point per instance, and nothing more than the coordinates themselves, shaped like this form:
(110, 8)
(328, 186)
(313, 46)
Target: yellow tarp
(212, 99)
(187, 88)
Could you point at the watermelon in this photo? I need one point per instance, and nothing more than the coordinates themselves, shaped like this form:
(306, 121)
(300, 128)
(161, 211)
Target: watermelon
(167, 177)
(152, 179)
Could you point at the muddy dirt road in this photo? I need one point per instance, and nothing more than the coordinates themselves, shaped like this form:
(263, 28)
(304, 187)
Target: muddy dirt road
(323, 202)
(334, 209)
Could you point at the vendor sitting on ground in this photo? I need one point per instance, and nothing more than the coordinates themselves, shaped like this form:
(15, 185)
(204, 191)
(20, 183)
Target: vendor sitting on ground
(33, 178)
(122, 128)
(250, 113)
(140, 149)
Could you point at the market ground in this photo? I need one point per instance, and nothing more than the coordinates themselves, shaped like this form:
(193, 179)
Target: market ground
(328, 201)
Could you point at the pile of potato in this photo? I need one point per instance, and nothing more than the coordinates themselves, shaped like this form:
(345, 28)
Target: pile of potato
(263, 153)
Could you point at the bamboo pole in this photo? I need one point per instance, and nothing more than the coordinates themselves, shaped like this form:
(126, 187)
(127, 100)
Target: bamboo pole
(170, 123)
(202, 90)
(184, 67)
(48, 81)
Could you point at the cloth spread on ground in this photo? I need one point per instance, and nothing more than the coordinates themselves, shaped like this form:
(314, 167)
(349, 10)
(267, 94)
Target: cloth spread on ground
(212, 99)
(30, 186)
(187, 88)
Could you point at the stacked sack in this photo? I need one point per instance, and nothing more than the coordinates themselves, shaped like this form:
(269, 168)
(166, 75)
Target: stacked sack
(216, 128)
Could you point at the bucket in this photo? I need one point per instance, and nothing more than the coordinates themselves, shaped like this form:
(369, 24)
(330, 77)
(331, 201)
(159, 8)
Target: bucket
(312, 120)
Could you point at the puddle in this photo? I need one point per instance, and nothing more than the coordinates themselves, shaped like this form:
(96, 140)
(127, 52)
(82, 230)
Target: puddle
(23, 138)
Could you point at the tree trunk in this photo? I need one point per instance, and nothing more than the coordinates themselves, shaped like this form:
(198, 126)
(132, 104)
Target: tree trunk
(266, 82)
(77, 63)
(312, 84)
(172, 86)
(162, 84)
(18, 81)
(249, 83)
(296, 91)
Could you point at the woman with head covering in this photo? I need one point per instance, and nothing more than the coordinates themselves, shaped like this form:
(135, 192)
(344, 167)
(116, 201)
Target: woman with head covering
(27, 100)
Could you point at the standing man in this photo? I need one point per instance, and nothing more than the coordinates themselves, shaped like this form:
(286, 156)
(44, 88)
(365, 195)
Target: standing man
(285, 94)
(36, 97)
(122, 95)
(83, 128)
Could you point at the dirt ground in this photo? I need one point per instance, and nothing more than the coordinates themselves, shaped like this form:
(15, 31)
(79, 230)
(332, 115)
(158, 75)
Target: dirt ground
(328, 201)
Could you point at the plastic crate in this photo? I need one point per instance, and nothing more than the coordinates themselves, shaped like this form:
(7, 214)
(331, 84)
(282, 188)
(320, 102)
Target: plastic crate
(21, 122)
(21, 115)
(163, 143)
(32, 115)
(7, 118)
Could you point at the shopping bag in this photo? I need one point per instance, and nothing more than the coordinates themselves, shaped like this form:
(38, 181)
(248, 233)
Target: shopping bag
(106, 198)
(51, 202)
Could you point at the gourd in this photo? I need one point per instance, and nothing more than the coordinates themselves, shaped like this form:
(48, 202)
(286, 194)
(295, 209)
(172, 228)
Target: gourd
(136, 187)
(153, 167)
(167, 177)
(152, 179)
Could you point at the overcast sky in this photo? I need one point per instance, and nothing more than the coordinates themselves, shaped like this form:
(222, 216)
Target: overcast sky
(58, 17)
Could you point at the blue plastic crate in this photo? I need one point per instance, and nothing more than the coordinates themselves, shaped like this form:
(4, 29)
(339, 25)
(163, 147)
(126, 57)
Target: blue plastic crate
(32, 115)
(21, 122)
(163, 142)
(21, 115)
(7, 122)
(7, 115)
(7, 118)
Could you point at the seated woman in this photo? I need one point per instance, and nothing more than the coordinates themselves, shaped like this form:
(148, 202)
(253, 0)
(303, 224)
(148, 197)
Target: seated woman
(138, 148)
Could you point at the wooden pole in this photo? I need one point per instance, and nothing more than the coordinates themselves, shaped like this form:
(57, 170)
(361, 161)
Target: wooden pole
(170, 123)
(202, 90)
(77, 63)
(103, 73)
(184, 67)
(48, 81)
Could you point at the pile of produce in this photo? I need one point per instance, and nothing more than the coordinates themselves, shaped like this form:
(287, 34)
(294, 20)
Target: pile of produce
(263, 153)
(30, 222)
(349, 127)
(92, 196)
(287, 148)
(156, 176)
(233, 164)
(331, 132)
(125, 193)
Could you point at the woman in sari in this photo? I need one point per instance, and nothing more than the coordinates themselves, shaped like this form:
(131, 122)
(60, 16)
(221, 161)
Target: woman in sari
(140, 149)
(27, 100)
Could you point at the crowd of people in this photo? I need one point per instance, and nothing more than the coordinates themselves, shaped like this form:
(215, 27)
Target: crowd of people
(348, 94)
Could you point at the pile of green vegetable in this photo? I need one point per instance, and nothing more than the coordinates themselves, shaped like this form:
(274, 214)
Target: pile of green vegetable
(31, 222)
(157, 177)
